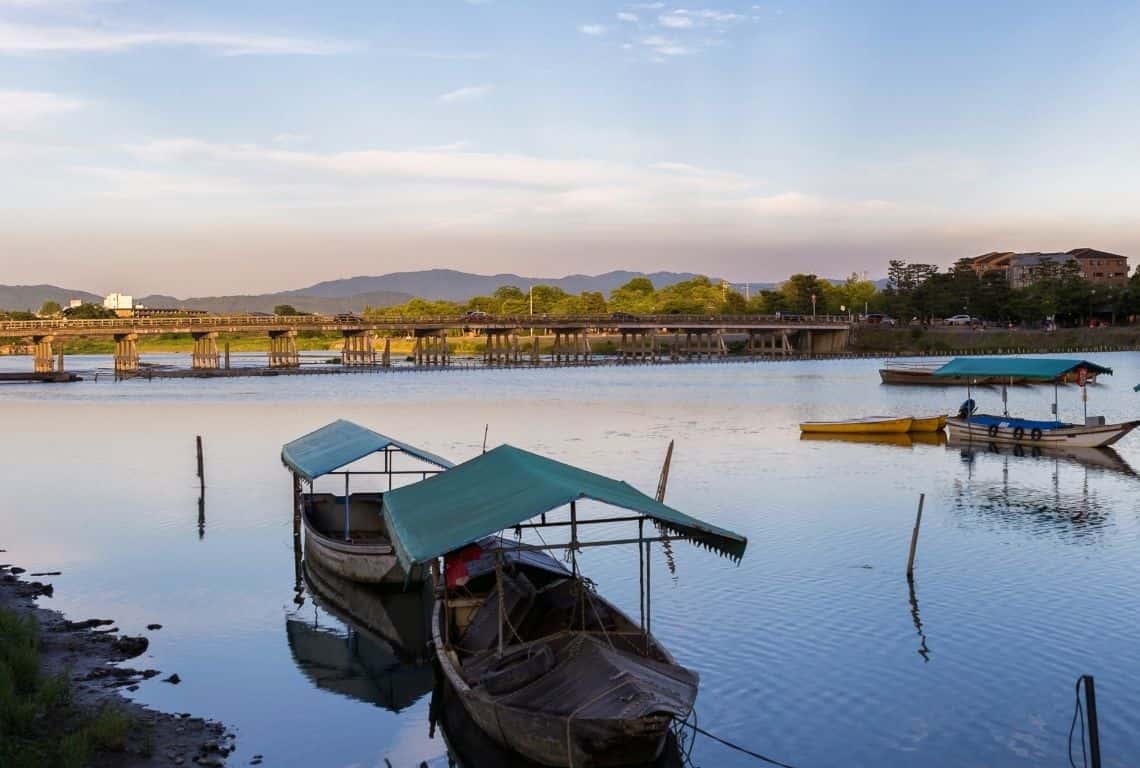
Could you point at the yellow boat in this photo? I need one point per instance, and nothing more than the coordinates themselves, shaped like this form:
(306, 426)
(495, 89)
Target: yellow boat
(931, 424)
(871, 425)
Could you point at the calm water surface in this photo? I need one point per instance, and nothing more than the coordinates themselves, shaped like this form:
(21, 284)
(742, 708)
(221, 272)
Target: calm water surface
(812, 650)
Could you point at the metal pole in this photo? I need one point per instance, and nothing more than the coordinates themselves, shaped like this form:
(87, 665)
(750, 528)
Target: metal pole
(347, 509)
(1094, 730)
(648, 593)
(499, 580)
(641, 572)
(201, 466)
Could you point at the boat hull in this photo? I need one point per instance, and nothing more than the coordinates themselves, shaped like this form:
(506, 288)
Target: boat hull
(548, 739)
(858, 427)
(367, 557)
(932, 424)
(1072, 436)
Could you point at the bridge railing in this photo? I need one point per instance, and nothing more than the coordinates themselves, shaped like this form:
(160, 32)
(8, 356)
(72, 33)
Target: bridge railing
(273, 322)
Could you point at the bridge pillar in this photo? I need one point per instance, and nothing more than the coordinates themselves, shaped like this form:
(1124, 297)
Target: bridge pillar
(386, 358)
(358, 349)
(535, 351)
(283, 349)
(205, 355)
(432, 349)
(43, 355)
(126, 353)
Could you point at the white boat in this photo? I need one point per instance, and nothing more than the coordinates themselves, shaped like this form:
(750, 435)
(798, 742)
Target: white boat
(1004, 429)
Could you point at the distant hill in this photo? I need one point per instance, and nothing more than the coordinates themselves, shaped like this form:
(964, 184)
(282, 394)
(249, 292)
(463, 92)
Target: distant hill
(453, 285)
(267, 301)
(32, 297)
(353, 294)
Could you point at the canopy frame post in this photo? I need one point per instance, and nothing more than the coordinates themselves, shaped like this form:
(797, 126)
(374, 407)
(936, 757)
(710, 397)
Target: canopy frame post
(1056, 412)
(1005, 398)
(499, 584)
(347, 511)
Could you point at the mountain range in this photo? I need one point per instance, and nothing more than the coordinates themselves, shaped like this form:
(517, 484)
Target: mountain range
(353, 294)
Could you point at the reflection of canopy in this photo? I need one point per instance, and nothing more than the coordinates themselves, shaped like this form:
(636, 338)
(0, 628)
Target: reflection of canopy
(358, 666)
(342, 442)
(1039, 368)
(507, 486)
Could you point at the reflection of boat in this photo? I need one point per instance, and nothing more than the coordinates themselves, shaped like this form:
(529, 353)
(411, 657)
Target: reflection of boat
(347, 534)
(900, 440)
(543, 664)
(469, 747)
(1005, 429)
(401, 618)
(1105, 459)
(356, 664)
(869, 425)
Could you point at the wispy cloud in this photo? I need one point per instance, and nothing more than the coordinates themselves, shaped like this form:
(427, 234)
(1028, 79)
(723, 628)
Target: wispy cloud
(593, 30)
(627, 16)
(465, 95)
(21, 109)
(32, 38)
(664, 46)
(675, 21)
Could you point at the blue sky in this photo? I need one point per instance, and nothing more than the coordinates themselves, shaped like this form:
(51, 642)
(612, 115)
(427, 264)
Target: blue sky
(217, 147)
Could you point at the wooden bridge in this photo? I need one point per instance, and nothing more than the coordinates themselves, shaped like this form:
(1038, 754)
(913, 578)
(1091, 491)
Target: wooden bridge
(640, 337)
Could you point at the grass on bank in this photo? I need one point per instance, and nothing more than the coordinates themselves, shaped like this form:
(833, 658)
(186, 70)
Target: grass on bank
(39, 725)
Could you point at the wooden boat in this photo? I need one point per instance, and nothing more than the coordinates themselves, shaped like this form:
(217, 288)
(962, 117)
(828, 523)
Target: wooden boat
(969, 426)
(365, 554)
(870, 425)
(577, 684)
(928, 424)
(347, 534)
(543, 664)
(922, 374)
(468, 746)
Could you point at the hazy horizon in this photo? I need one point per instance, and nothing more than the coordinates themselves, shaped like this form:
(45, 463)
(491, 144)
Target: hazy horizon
(222, 149)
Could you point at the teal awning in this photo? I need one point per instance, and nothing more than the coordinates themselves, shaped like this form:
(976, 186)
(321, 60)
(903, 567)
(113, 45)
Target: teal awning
(340, 443)
(1040, 368)
(507, 486)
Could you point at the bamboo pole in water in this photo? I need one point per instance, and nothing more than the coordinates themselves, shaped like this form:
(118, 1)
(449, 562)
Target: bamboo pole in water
(914, 538)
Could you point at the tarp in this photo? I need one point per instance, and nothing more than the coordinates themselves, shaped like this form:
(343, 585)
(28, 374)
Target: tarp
(507, 486)
(340, 443)
(1039, 368)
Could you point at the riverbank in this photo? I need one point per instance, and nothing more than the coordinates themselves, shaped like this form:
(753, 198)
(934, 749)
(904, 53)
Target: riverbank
(949, 341)
(61, 700)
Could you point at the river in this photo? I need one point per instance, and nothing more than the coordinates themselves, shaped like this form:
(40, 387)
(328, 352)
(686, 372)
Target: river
(812, 650)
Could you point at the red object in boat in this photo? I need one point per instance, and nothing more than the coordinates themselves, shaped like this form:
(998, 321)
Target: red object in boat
(455, 565)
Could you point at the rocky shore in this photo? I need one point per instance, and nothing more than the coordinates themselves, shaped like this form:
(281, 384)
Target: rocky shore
(93, 653)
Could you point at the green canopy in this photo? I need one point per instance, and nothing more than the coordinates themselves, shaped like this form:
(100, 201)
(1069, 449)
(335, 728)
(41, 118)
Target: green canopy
(1040, 368)
(342, 442)
(507, 486)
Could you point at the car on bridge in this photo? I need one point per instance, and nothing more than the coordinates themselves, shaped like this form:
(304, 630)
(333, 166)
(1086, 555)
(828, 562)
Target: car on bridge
(623, 317)
(347, 317)
(475, 314)
(962, 320)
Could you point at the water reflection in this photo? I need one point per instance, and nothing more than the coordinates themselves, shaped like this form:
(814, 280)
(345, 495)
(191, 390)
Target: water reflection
(900, 440)
(379, 655)
(923, 650)
(1060, 502)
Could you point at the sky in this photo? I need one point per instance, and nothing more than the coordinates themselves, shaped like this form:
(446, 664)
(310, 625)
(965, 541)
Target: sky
(229, 146)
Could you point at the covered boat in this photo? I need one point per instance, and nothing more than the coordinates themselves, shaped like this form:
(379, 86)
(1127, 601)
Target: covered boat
(543, 664)
(923, 374)
(1006, 429)
(346, 534)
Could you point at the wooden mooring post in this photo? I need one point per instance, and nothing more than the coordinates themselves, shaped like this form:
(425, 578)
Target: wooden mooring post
(201, 467)
(914, 538)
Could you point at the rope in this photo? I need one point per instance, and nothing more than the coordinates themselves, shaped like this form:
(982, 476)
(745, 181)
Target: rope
(1078, 710)
(730, 745)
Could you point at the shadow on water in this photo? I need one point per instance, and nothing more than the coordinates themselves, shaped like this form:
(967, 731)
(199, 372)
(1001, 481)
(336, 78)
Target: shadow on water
(923, 649)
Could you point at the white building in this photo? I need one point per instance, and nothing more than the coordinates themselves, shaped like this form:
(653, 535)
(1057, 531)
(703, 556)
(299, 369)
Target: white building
(118, 301)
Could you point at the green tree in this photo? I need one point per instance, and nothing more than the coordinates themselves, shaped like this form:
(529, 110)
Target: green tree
(90, 312)
(50, 309)
(637, 297)
(798, 290)
(285, 309)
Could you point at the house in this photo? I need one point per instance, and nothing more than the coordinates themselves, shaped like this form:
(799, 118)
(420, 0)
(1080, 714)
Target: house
(1022, 269)
(121, 304)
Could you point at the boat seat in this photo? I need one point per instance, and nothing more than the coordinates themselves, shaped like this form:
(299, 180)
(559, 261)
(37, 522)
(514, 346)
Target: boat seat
(483, 631)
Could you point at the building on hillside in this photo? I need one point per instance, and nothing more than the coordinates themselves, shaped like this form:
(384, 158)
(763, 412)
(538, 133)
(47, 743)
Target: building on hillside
(1022, 269)
(74, 303)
